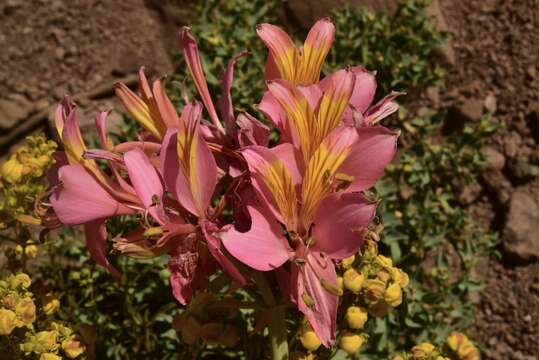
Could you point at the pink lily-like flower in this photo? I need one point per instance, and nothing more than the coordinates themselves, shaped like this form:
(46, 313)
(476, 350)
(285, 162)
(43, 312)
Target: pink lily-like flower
(313, 188)
(190, 173)
(303, 66)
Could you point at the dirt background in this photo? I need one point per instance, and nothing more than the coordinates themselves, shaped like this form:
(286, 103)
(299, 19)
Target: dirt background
(51, 48)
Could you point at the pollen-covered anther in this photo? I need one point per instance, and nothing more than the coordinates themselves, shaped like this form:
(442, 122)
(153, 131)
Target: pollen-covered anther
(332, 288)
(308, 300)
(153, 232)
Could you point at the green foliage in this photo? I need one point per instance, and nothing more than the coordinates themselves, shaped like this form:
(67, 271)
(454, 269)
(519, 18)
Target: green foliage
(399, 48)
(224, 29)
(430, 234)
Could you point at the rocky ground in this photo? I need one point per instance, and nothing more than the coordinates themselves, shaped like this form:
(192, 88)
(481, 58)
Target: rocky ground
(50, 49)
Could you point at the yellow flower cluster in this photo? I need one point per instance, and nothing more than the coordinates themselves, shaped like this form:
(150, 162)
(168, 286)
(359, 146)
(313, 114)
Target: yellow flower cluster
(51, 344)
(462, 347)
(375, 282)
(20, 179)
(18, 310)
(206, 319)
(458, 347)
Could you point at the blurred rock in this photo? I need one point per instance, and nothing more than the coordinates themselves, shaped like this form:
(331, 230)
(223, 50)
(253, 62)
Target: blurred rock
(522, 170)
(495, 159)
(490, 103)
(471, 109)
(13, 111)
(521, 233)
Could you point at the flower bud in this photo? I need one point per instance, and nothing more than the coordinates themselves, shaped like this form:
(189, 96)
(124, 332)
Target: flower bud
(72, 348)
(49, 356)
(383, 275)
(9, 301)
(50, 304)
(393, 295)
(375, 289)
(353, 280)
(400, 277)
(340, 283)
(309, 339)
(30, 251)
(356, 317)
(422, 350)
(348, 262)
(12, 170)
(24, 280)
(350, 342)
(8, 321)
(460, 344)
(26, 310)
(385, 261)
(47, 339)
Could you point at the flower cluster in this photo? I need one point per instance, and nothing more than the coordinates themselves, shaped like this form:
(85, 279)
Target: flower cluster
(18, 185)
(457, 347)
(212, 192)
(18, 321)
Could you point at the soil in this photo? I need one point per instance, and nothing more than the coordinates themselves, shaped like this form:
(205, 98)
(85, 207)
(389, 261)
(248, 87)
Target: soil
(50, 49)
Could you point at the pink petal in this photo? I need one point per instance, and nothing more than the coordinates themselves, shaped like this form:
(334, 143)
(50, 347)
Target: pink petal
(263, 247)
(146, 182)
(252, 131)
(80, 198)
(372, 152)
(382, 108)
(225, 102)
(275, 113)
(307, 279)
(189, 48)
(165, 107)
(272, 71)
(175, 181)
(96, 242)
(101, 126)
(183, 263)
(214, 245)
(339, 222)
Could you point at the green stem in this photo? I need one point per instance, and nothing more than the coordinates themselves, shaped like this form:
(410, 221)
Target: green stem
(277, 325)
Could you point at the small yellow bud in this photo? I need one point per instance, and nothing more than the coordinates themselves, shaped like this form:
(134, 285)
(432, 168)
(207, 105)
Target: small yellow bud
(30, 251)
(309, 339)
(18, 250)
(8, 321)
(393, 295)
(72, 348)
(460, 344)
(24, 280)
(375, 289)
(50, 304)
(347, 263)
(353, 280)
(26, 310)
(350, 342)
(49, 356)
(11, 170)
(47, 339)
(400, 277)
(383, 275)
(422, 350)
(385, 261)
(356, 317)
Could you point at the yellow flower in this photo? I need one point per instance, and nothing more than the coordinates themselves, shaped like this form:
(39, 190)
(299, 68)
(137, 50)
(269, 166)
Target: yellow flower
(346, 263)
(422, 350)
(12, 170)
(24, 280)
(49, 356)
(353, 280)
(465, 349)
(393, 295)
(26, 310)
(30, 251)
(72, 348)
(47, 339)
(385, 261)
(356, 317)
(309, 339)
(50, 304)
(400, 277)
(350, 342)
(375, 289)
(8, 321)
